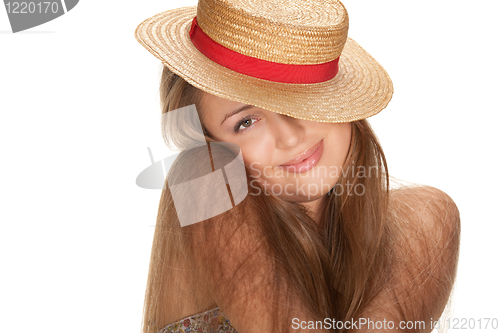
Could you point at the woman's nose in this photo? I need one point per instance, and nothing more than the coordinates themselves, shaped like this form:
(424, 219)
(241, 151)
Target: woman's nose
(288, 131)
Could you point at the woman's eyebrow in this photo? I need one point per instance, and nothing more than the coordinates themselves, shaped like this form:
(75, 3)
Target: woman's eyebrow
(238, 110)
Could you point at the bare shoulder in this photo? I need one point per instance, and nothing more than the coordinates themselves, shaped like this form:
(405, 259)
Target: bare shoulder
(427, 238)
(426, 235)
(425, 211)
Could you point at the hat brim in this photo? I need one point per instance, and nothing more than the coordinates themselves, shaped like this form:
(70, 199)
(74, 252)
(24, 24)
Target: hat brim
(361, 88)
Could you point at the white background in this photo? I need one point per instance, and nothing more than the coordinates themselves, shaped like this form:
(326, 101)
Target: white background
(79, 107)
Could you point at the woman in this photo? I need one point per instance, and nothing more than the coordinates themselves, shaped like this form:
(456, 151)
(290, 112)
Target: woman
(320, 241)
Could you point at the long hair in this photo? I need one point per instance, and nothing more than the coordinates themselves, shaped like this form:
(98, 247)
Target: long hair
(334, 268)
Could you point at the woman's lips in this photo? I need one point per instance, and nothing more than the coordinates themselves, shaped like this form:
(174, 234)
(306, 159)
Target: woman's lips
(305, 161)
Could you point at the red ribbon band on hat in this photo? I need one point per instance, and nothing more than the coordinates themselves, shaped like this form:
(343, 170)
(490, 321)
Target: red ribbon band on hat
(262, 69)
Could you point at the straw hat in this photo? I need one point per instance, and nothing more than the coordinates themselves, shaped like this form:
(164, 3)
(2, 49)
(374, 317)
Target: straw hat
(292, 57)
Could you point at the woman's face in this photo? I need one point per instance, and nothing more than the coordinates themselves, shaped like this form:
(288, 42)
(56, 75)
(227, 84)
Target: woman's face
(297, 160)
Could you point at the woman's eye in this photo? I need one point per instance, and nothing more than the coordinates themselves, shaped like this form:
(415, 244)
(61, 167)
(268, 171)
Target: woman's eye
(244, 124)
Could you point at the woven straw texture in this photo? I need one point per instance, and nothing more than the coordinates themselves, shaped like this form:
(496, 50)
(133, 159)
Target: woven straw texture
(284, 31)
(361, 89)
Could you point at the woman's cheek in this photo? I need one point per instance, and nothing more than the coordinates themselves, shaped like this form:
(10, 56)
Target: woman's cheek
(262, 175)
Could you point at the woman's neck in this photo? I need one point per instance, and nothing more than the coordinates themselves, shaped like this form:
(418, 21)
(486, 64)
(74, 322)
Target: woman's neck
(315, 209)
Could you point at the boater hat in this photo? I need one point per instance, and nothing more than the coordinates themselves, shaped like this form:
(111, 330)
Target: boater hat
(292, 57)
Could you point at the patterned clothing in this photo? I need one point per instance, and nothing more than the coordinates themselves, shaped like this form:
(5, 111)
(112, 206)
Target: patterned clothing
(211, 321)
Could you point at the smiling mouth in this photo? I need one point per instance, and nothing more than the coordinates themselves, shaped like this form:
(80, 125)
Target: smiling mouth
(306, 160)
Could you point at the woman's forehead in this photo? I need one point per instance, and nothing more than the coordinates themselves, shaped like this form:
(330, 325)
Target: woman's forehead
(213, 101)
(216, 109)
